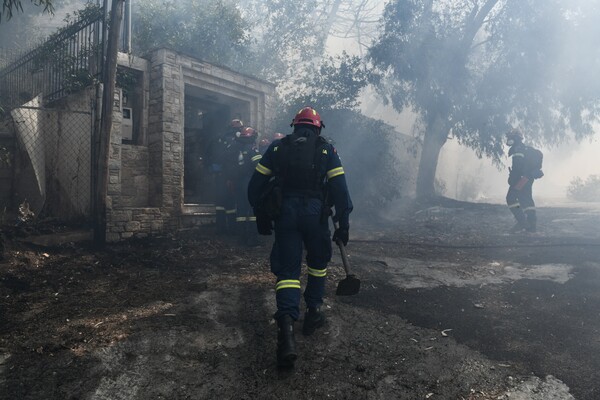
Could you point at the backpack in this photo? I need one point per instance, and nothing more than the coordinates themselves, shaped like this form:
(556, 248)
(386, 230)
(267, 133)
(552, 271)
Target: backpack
(300, 164)
(299, 167)
(533, 161)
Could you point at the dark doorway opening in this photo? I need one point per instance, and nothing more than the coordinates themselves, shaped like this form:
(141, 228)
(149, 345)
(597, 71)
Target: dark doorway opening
(204, 122)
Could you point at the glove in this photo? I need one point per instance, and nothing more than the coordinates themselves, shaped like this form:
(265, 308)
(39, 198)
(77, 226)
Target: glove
(341, 234)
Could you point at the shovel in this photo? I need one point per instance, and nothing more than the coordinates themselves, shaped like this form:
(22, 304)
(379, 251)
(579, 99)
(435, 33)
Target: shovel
(350, 285)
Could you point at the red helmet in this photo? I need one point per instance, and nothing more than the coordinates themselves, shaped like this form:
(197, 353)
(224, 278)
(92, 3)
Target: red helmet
(248, 132)
(236, 123)
(278, 135)
(264, 142)
(308, 115)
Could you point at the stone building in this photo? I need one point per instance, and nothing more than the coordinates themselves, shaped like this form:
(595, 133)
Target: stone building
(168, 107)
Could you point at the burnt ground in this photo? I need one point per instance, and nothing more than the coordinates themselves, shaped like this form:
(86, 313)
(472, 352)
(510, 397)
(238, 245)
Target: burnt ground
(450, 307)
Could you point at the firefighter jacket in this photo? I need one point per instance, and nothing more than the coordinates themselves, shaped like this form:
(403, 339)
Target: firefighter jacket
(222, 151)
(518, 169)
(247, 159)
(331, 173)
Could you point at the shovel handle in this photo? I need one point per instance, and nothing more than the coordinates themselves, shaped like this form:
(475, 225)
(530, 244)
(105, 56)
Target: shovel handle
(342, 252)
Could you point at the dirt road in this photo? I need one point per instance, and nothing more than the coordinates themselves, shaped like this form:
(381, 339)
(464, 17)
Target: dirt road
(450, 308)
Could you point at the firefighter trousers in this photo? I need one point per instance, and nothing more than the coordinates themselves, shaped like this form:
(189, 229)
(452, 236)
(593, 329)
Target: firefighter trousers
(521, 204)
(300, 226)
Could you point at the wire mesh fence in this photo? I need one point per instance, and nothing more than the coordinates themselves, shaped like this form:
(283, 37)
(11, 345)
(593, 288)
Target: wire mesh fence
(53, 162)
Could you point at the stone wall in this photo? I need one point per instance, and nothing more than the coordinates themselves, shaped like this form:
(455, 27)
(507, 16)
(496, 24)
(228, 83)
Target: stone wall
(133, 222)
(134, 176)
(165, 136)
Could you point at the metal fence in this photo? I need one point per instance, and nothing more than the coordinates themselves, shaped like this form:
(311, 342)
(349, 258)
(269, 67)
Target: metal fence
(53, 162)
(69, 60)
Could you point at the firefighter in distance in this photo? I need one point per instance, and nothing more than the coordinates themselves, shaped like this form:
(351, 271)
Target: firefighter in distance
(526, 167)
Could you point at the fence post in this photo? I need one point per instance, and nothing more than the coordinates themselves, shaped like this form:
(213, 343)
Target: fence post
(109, 78)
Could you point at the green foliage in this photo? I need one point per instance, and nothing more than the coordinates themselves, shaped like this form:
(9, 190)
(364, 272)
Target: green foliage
(11, 6)
(211, 30)
(334, 84)
(284, 40)
(588, 190)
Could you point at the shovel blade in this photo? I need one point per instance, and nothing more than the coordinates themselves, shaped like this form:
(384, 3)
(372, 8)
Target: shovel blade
(348, 286)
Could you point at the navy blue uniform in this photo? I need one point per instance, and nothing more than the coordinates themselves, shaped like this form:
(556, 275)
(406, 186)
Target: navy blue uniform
(223, 164)
(303, 222)
(520, 192)
(247, 160)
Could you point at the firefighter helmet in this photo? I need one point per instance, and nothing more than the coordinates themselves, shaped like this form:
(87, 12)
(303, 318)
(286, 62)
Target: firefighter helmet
(264, 142)
(248, 134)
(513, 136)
(278, 135)
(236, 123)
(309, 116)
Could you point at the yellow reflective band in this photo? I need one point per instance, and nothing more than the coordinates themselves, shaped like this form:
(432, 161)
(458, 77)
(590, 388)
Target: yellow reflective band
(529, 209)
(319, 273)
(263, 170)
(513, 205)
(251, 219)
(324, 151)
(257, 157)
(332, 173)
(275, 148)
(219, 208)
(240, 219)
(288, 284)
(518, 155)
(231, 211)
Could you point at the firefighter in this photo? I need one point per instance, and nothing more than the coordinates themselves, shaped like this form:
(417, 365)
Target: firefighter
(278, 136)
(223, 167)
(263, 145)
(312, 179)
(520, 180)
(247, 160)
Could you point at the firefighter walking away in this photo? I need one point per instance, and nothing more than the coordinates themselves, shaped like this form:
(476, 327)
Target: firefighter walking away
(304, 174)
(526, 167)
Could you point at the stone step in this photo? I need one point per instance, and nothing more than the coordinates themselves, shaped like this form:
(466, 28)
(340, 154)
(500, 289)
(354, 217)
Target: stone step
(198, 209)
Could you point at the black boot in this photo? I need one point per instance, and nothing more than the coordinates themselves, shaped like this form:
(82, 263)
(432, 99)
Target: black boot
(531, 221)
(521, 224)
(518, 227)
(313, 319)
(286, 342)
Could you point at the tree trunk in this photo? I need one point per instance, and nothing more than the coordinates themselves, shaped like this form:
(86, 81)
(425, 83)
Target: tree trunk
(110, 73)
(435, 138)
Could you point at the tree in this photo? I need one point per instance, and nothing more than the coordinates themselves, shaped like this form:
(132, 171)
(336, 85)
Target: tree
(213, 30)
(472, 69)
(11, 6)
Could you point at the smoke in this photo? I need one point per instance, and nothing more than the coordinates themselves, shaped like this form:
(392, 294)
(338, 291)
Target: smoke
(467, 177)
